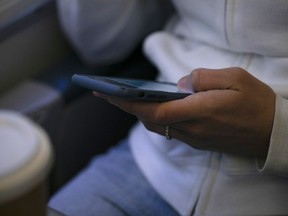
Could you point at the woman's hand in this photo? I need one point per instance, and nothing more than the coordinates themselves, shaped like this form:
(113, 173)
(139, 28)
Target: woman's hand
(231, 111)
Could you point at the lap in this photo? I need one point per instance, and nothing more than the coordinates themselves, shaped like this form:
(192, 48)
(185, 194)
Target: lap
(111, 185)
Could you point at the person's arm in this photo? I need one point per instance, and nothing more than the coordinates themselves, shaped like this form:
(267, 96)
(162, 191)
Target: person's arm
(105, 31)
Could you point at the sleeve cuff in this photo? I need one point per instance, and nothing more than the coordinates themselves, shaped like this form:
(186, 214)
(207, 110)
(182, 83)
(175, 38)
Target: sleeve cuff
(277, 159)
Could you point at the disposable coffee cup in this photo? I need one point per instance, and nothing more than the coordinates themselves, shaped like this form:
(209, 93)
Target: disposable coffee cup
(25, 162)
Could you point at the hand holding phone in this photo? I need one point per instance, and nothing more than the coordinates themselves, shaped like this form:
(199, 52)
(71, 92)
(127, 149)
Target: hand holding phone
(130, 89)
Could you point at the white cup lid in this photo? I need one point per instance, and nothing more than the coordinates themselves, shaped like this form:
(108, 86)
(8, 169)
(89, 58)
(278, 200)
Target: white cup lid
(25, 155)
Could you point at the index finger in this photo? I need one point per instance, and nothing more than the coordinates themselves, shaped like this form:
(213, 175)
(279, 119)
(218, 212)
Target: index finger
(169, 112)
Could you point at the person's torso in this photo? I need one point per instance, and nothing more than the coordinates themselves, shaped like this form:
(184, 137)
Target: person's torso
(246, 26)
(252, 34)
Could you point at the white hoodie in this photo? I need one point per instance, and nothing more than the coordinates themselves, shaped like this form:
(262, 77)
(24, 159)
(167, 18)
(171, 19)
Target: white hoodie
(252, 34)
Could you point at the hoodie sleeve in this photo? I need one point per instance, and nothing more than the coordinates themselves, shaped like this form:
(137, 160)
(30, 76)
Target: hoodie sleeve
(106, 31)
(277, 159)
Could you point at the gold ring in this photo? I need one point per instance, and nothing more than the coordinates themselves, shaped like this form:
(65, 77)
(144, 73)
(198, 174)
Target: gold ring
(167, 130)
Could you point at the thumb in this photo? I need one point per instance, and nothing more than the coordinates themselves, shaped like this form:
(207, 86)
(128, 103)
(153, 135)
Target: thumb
(211, 79)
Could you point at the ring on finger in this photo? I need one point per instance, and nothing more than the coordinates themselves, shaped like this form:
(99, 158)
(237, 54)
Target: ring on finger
(167, 132)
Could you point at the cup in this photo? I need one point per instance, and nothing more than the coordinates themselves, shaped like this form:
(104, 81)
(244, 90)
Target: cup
(25, 161)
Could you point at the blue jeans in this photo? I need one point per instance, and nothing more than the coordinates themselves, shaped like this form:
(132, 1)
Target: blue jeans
(112, 185)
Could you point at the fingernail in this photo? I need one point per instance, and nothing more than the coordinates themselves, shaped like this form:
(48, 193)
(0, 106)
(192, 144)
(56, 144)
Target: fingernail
(184, 85)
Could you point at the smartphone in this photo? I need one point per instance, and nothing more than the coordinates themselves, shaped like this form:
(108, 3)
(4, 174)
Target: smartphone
(130, 89)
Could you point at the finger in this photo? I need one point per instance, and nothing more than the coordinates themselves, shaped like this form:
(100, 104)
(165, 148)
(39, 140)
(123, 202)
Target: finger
(162, 113)
(186, 138)
(194, 107)
(164, 130)
(151, 111)
(213, 79)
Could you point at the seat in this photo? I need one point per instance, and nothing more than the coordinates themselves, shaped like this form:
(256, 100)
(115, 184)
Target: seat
(37, 63)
